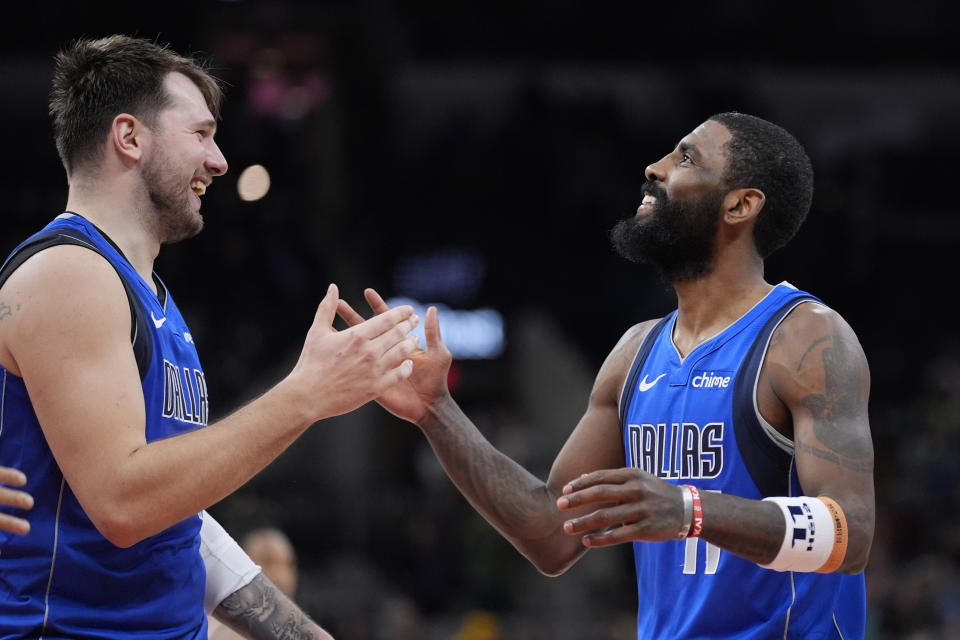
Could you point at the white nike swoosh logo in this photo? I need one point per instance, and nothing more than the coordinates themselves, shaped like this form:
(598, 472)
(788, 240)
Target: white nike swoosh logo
(157, 323)
(644, 385)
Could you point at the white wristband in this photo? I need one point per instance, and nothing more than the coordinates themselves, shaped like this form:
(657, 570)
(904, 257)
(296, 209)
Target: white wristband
(810, 537)
(228, 566)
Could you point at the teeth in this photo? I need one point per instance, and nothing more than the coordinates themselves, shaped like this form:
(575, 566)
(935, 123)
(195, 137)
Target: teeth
(198, 187)
(648, 200)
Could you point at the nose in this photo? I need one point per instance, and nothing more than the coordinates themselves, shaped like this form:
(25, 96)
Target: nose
(216, 163)
(656, 171)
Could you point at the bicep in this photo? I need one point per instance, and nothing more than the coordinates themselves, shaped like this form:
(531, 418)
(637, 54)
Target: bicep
(823, 378)
(71, 346)
(827, 395)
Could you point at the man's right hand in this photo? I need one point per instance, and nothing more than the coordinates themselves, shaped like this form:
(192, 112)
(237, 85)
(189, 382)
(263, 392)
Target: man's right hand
(339, 371)
(14, 498)
(413, 396)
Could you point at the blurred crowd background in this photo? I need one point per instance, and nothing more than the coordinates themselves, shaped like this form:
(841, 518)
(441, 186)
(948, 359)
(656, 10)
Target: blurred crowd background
(475, 155)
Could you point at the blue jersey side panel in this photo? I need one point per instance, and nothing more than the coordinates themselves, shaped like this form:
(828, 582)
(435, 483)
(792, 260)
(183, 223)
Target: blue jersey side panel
(693, 421)
(64, 579)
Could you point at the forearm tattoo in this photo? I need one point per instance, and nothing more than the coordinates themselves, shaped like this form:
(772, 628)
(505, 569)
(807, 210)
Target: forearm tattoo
(833, 409)
(260, 611)
(499, 488)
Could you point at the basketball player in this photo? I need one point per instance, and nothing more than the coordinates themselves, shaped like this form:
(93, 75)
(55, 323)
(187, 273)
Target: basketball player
(14, 498)
(104, 399)
(728, 441)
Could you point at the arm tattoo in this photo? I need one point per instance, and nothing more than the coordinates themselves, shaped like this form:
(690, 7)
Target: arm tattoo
(6, 310)
(810, 349)
(833, 408)
(503, 491)
(260, 611)
(858, 466)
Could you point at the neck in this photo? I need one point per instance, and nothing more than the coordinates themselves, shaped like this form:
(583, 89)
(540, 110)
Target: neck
(122, 217)
(708, 305)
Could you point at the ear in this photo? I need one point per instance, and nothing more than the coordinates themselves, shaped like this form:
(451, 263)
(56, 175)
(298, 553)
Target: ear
(741, 205)
(127, 135)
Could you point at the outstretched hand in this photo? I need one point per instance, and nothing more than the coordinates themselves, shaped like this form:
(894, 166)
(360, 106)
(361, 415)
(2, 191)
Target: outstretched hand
(410, 398)
(640, 506)
(14, 498)
(340, 370)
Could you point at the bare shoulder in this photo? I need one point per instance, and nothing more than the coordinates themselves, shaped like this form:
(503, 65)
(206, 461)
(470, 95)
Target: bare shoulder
(615, 367)
(57, 293)
(809, 328)
(815, 350)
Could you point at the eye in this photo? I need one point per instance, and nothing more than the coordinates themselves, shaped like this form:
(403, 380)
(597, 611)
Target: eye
(200, 135)
(685, 158)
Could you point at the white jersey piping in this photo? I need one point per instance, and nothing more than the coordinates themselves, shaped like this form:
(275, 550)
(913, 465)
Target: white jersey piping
(782, 441)
(793, 586)
(626, 378)
(3, 401)
(53, 559)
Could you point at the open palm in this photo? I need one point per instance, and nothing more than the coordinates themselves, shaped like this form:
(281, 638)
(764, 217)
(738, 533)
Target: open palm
(411, 398)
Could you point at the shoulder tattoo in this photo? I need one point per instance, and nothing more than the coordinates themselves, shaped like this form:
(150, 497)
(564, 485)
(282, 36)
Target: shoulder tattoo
(7, 309)
(838, 404)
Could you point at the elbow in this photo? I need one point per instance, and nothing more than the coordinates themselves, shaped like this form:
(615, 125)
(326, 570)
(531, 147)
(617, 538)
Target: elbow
(552, 570)
(858, 551)
(856, 562)
(118, 527)
(119, 534)
(861, 518)
(553, 565)
(853, 566)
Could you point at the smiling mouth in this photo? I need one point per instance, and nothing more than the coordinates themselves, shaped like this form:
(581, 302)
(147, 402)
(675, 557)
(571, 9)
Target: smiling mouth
(647, 203)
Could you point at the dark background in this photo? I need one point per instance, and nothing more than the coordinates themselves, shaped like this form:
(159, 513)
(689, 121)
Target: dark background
(510, 138)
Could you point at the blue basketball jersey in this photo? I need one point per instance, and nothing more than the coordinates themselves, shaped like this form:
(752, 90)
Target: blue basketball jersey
(694, 420)
(64, 579)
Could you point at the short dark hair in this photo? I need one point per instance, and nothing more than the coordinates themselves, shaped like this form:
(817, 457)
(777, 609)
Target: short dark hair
(765, 156)
(95, 80)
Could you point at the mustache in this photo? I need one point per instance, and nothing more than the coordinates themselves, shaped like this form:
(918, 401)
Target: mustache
(654, 188)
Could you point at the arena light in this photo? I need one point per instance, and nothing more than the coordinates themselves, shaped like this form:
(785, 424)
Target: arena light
(469, 334)
(253, 183)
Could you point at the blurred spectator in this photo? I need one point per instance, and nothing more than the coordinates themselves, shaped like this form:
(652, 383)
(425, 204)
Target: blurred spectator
(272, 550)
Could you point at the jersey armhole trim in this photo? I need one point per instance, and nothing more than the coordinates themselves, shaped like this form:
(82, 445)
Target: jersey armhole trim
(626, 391)
(780, 440)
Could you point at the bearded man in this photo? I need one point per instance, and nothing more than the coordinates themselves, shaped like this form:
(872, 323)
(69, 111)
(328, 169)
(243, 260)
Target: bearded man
(728, 441)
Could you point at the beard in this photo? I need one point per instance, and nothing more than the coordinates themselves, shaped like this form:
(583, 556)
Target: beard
(175, 217)
(676, 238)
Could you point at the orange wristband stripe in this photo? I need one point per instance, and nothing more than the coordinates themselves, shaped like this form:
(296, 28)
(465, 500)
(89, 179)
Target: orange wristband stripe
(840, 536)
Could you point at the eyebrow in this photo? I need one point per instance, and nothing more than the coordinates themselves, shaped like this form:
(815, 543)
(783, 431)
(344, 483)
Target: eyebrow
(686, 147)
(208, 124)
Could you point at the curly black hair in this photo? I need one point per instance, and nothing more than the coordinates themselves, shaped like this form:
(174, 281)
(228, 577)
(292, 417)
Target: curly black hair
(765, 156)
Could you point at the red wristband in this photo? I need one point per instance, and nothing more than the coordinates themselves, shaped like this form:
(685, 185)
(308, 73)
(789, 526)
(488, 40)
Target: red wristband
(697, 525)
